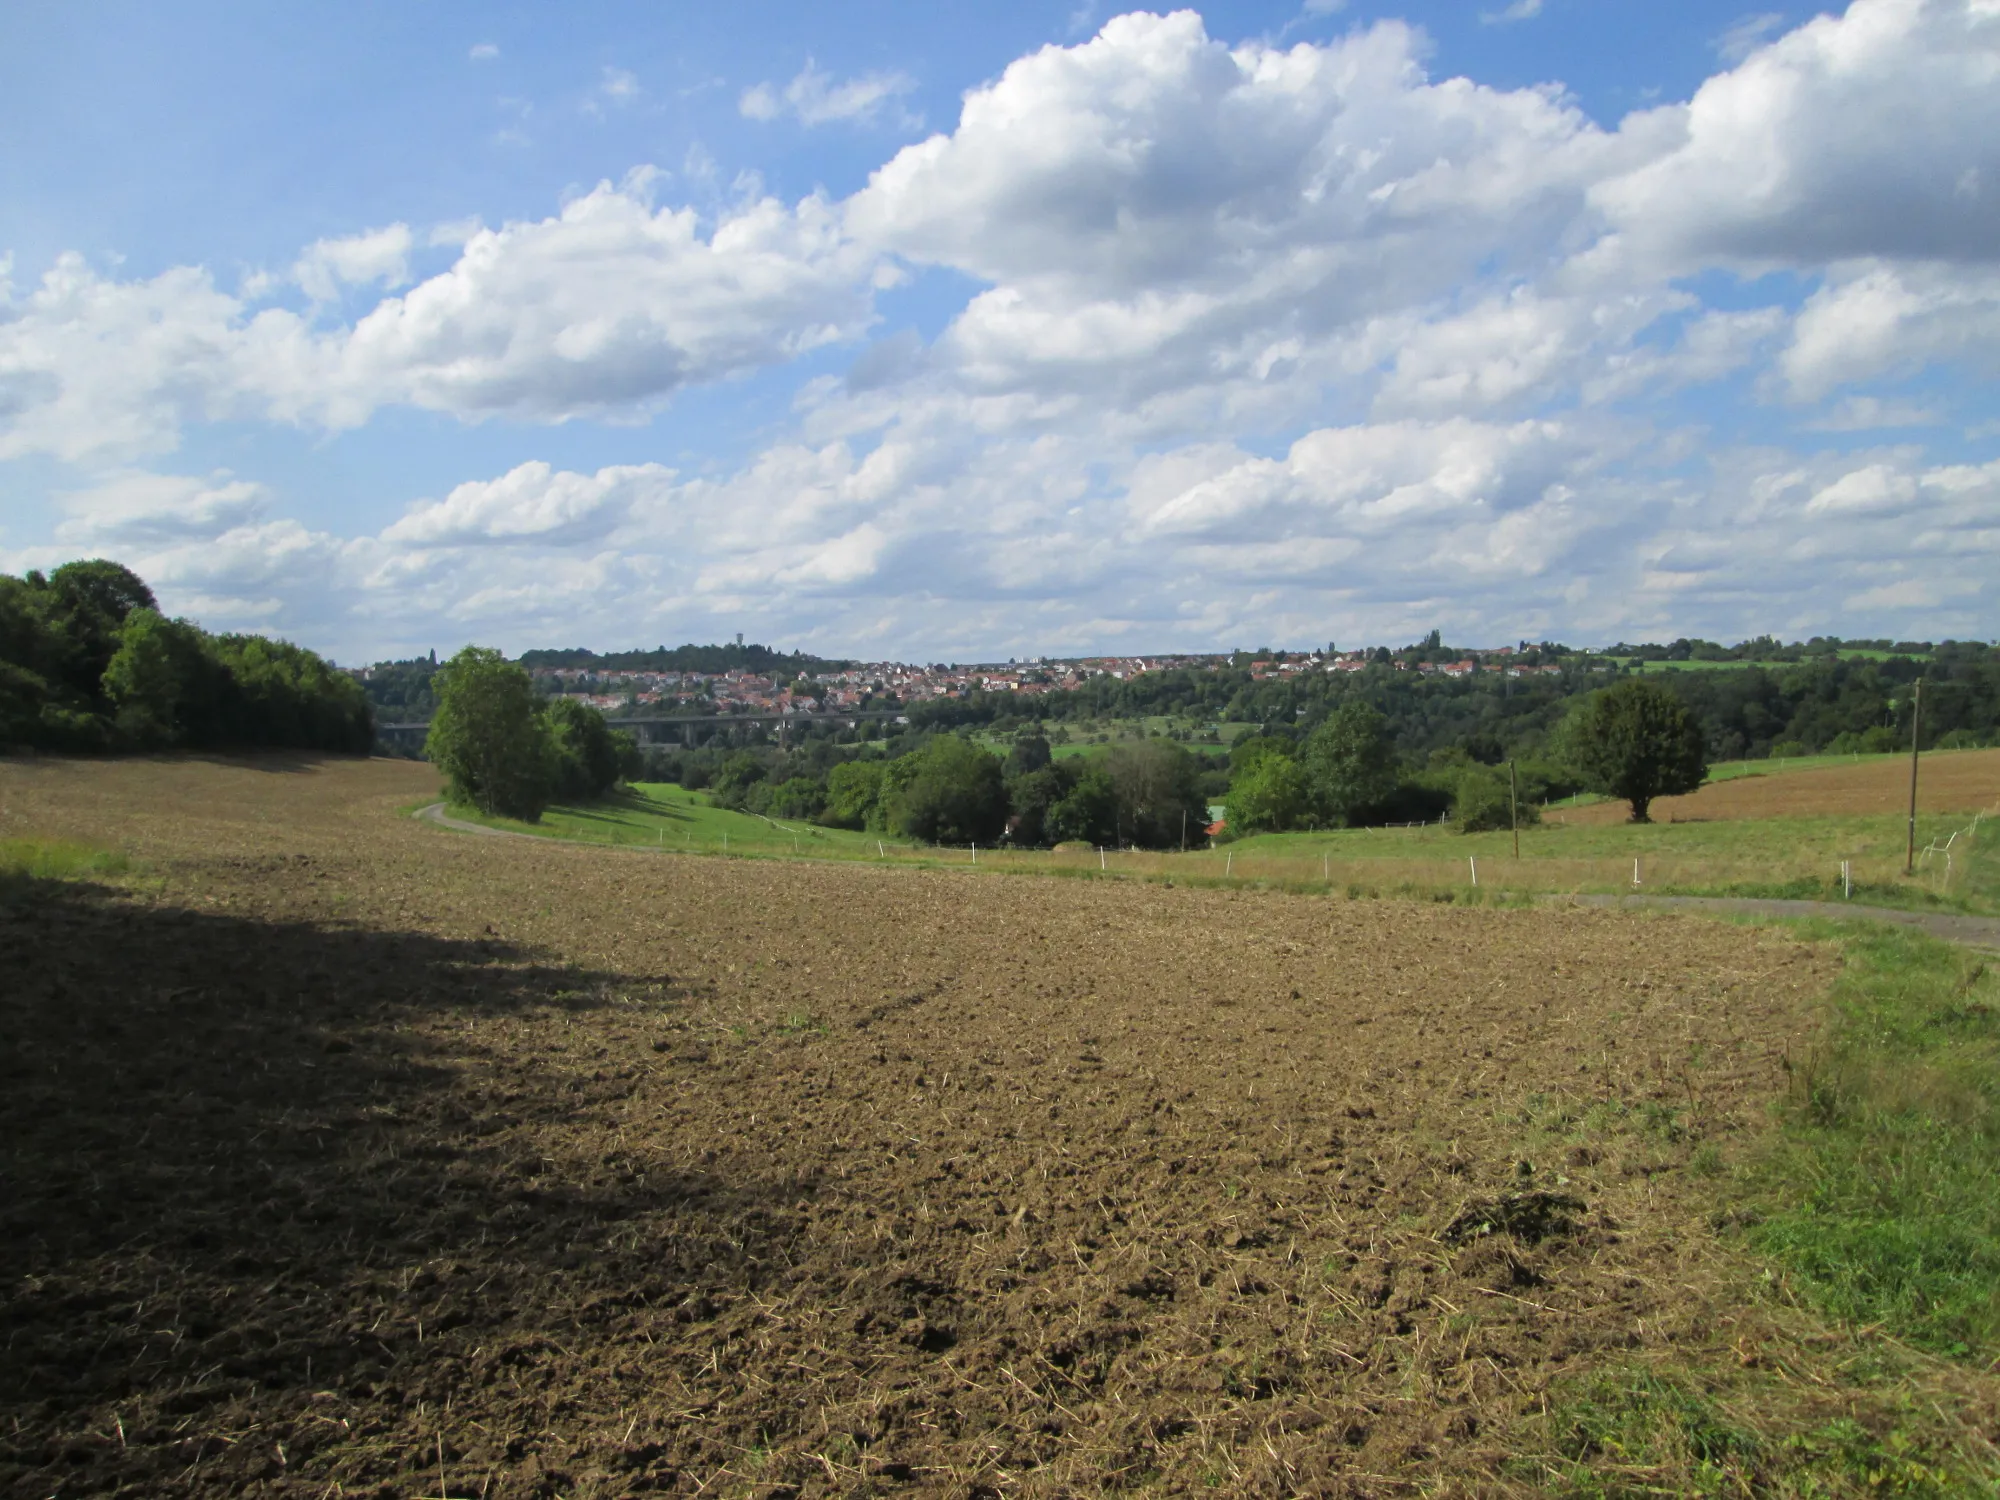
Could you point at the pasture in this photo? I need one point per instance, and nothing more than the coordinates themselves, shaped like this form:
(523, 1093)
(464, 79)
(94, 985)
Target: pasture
(1775, 832)
(345, 1155)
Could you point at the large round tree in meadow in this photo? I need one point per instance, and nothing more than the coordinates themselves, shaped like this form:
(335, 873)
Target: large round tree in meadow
(1637, 741)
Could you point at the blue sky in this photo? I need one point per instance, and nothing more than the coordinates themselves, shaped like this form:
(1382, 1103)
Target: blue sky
(975, 331)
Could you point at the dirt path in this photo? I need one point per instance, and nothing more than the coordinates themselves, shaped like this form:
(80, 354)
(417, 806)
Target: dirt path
(1972, 932)
(435, 813)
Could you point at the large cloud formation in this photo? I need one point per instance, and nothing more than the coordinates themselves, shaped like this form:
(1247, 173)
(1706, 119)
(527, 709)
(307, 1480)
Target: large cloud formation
(1262, 342)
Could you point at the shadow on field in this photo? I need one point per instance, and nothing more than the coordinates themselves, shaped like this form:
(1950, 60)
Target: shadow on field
(238, 1177)
(275, 762)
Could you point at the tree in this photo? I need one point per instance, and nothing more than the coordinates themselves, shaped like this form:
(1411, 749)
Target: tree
(1350, 767)
(1031, 795)
(280, 696)
(587, 754)
(489, 737)
(1030, 753)
(1159, 794)
(1269, 795)
(1637, 741)
(799, 797)
(1087, 812)
(853, 789)
(949, 792)
(158, 668)
(739, 773)
(86, 603)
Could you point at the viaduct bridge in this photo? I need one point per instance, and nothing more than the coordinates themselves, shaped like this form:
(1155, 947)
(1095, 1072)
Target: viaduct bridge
(680, 730)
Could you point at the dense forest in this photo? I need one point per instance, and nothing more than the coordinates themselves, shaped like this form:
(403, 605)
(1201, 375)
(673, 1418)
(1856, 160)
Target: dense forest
(88, 663)
(710, 660)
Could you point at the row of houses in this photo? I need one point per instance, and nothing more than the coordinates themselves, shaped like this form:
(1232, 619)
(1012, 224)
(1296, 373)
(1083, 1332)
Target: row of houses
(906, 683)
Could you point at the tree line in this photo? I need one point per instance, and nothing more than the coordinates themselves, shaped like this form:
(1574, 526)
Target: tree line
(88, 663)
(1634, 740)
(708, 660)
(951, 790)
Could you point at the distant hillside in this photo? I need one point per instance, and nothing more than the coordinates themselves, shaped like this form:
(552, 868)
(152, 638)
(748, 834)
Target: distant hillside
(732, 658)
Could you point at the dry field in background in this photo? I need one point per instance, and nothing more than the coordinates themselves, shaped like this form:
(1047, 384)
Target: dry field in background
(347, 1156)
(1949, 781)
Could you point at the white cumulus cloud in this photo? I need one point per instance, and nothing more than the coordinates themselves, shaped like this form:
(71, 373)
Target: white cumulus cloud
(530, 503)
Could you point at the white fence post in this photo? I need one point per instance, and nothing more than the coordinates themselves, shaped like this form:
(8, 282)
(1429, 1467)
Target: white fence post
(1474, 862)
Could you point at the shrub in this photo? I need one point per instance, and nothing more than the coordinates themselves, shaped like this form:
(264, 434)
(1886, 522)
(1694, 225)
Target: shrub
(1482, 802)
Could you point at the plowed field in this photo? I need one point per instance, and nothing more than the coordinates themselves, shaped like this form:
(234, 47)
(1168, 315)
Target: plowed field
(348, 1156)
(1948, 782)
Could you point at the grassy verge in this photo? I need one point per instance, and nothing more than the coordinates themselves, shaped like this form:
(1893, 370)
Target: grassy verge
(660, 815)
(1871, 1232)
(1886, 1209)
(56, 859)
(1796, 858)
(28, 864)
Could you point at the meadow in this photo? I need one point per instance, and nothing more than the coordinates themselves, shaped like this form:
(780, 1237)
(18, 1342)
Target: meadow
(346, 1154)
(1752, 833)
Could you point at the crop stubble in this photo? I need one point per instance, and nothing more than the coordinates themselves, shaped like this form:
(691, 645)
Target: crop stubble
(350, 1156)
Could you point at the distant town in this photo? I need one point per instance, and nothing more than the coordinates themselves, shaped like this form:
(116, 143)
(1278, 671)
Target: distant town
(888, 685)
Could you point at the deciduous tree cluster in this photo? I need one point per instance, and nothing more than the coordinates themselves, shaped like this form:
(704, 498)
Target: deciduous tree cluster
(506, 752)
(88, 663)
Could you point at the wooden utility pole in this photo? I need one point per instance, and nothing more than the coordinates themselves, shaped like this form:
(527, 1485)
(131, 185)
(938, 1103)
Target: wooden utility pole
(1513, 809)
(1916, 739)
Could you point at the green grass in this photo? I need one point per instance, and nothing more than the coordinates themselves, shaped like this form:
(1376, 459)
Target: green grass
(1795, 857)
(1886, 1211)
(1629, 1432)
(1873, 1236)
(57, 859)
(1731, 770)
(665, 816)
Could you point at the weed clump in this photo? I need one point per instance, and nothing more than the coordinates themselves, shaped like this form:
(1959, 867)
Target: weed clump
(1530, 1217)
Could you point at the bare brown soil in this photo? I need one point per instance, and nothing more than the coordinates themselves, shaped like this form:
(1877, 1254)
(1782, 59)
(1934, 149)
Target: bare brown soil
(1952, 781)
(344, 1155)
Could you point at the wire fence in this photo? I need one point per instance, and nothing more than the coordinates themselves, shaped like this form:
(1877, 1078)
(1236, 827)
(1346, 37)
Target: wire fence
(1941, 866)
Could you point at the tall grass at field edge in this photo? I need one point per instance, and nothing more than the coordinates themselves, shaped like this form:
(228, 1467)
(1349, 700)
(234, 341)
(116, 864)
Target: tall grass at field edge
(57, 859)
(1873, 1211)
(1883, 1204)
